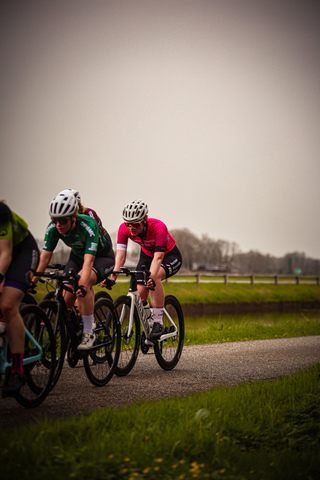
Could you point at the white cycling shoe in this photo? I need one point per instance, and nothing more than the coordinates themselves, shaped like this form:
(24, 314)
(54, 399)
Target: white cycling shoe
(87, 341)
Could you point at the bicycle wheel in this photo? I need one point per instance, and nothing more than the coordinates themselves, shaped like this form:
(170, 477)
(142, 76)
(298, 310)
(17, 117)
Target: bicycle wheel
(168, 352)
(39, 374)
(129, 344)
(102, 359)
(49, 295)
(102, 294)
(50, 308)
(28, 299)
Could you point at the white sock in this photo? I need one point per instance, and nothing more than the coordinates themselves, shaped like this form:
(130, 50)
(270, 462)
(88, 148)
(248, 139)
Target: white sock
(87, 323)
(157, 315)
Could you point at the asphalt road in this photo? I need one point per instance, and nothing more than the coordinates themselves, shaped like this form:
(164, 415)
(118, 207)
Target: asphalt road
(201, 367)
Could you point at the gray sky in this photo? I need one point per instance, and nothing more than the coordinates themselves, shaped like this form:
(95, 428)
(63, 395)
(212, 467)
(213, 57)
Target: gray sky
(208, 110)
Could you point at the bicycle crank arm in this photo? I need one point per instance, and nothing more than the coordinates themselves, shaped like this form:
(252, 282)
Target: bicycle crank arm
(167, 335)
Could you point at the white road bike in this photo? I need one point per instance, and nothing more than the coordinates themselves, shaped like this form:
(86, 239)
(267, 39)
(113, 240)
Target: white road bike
(131, 311)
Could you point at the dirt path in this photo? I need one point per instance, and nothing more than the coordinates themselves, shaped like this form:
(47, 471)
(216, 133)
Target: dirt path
(201, 367)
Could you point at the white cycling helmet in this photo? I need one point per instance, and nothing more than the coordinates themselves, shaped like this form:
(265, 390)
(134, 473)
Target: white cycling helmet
(75, 193)
(134, 212)
(63, 205)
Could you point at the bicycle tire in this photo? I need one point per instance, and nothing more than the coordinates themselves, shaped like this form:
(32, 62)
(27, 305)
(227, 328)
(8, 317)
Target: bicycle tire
(102, 294)
(129, 346)
(49, 295)
(101, 361)
(28, 299)
(50, 308)
(168, 352)
(39, 374)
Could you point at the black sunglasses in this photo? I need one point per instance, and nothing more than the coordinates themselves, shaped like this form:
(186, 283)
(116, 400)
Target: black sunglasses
(62, 220)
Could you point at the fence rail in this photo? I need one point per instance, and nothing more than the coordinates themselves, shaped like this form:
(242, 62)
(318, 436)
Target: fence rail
(247, 278)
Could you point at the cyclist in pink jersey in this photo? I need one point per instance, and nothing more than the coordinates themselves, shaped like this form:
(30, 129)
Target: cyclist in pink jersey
(159, 253)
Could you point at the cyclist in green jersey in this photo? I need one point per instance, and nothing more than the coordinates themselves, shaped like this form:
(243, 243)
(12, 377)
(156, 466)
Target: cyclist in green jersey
(19, 254)
(90, 255)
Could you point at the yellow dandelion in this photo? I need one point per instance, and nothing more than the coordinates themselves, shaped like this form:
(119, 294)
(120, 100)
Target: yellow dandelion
(156, 468)
(111, 455)
(174, 466)
(127, 459)
(223, 470)
(158, 460)
(194, 469)
(146, 470)
(182, 461)
(195, 475)
(181, 477)
(124, 470)
(135, 474)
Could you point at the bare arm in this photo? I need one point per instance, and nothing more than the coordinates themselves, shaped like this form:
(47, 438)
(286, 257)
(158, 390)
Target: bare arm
(5, 255)
(155, 265)
(45, 258)
(121, 256)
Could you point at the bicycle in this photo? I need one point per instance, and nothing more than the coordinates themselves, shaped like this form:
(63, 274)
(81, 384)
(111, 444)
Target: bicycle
(50, 287)
(39, 357)
(101, 360)
(131, 311)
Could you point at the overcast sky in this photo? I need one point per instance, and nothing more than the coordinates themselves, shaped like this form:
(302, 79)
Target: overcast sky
(209, 110)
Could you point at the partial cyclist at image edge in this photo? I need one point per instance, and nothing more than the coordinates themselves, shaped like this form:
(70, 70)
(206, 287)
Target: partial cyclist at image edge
(159, 254)
(19, 255)
(91, 254)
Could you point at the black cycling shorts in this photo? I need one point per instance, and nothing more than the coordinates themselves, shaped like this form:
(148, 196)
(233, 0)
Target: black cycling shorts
(171, 262)
(99, 265)
(25, 257)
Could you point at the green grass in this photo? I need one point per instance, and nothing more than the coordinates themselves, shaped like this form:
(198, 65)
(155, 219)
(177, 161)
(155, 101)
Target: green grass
(228, 328)
(265, 430)
(189, 293)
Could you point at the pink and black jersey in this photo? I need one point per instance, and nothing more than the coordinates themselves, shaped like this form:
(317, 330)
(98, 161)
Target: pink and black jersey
(93, 214)
(156, 239)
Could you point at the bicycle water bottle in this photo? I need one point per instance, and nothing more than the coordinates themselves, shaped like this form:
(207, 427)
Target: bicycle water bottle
(2, 331)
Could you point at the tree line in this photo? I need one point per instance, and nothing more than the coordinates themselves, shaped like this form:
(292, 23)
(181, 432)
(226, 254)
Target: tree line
(206, 254)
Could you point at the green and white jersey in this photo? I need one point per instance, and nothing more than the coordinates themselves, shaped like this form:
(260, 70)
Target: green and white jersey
(12, 227)
(85, 238)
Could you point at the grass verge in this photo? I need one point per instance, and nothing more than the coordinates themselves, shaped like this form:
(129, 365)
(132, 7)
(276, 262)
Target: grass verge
(264, 430)
(206, 293)
(237, 328)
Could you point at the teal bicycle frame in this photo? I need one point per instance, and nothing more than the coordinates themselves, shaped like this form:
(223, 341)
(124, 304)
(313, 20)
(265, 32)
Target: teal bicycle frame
(4, 364)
